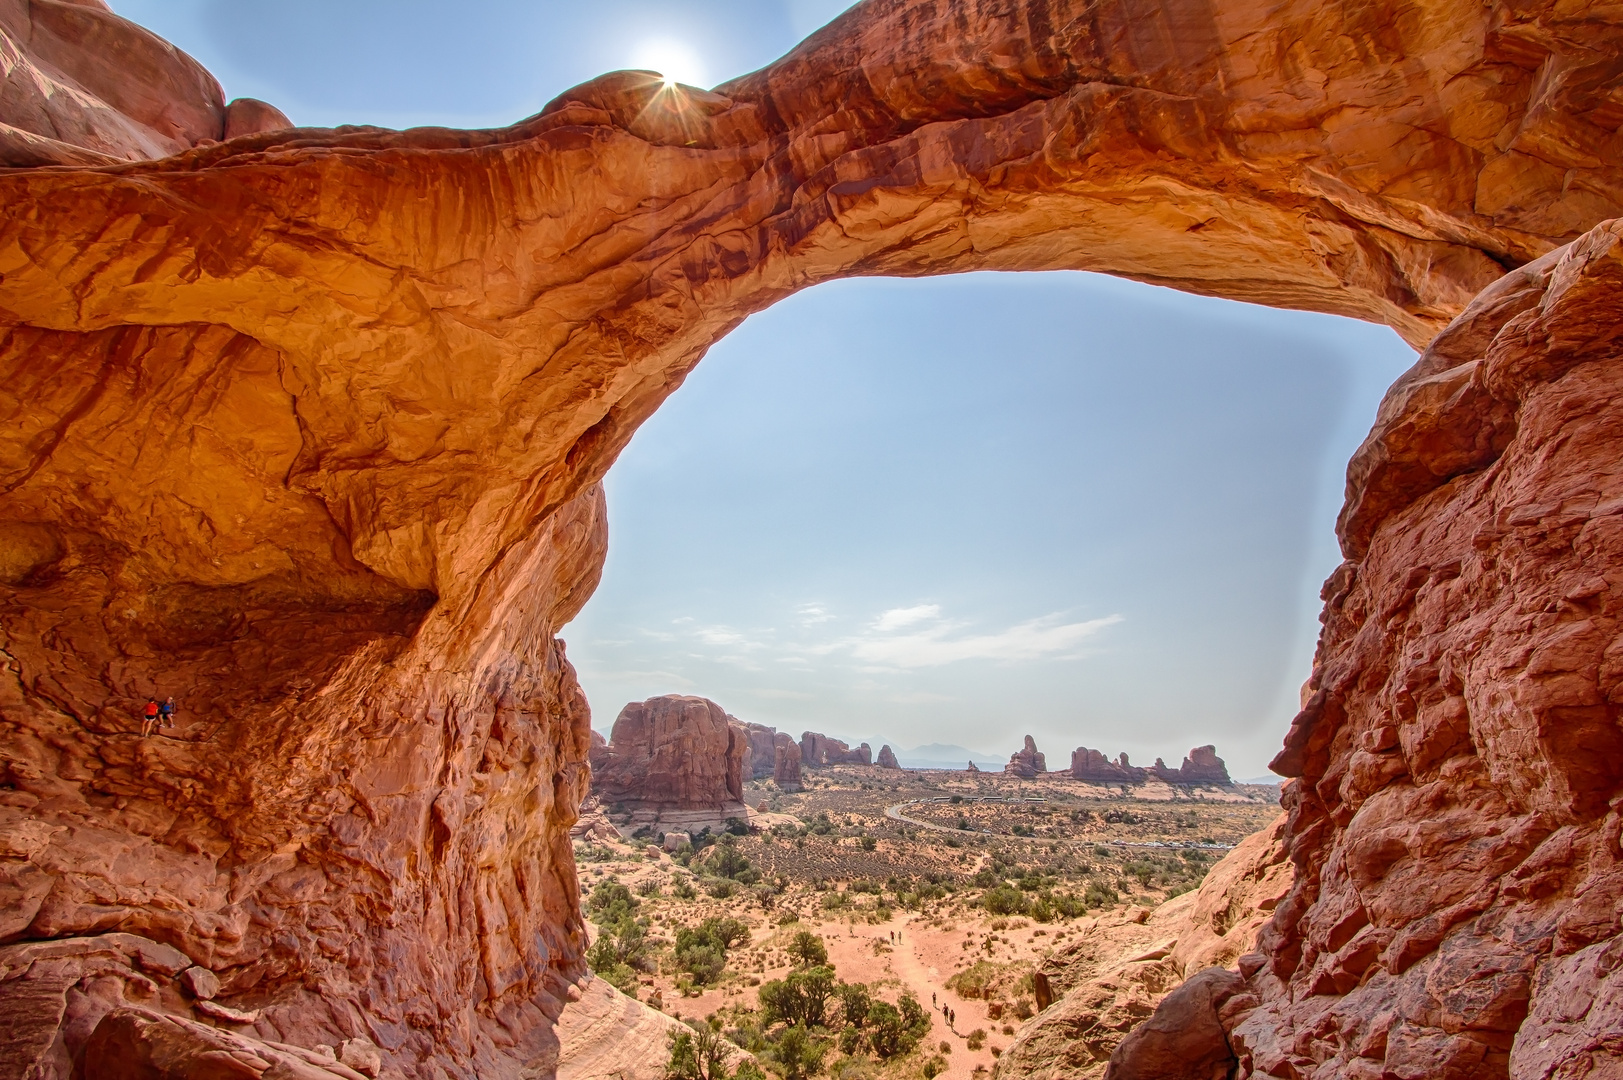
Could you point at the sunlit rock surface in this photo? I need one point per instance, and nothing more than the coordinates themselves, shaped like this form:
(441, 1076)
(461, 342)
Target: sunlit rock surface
(81, 86)
(1455, 828)
(304, 429)
(673, 753)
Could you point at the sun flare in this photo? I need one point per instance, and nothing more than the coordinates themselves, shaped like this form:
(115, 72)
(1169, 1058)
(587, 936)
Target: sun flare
(674, 60)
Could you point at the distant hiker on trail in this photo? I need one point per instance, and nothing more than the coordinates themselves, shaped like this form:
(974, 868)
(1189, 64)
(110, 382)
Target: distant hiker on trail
(149, 717)
(166, 714)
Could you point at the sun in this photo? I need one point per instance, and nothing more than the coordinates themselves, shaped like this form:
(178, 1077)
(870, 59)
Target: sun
(674, 60)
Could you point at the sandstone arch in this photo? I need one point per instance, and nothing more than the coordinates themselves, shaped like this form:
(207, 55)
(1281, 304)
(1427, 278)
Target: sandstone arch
(392, 366)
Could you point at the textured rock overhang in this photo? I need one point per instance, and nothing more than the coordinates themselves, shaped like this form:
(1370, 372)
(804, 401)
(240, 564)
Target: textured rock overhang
(304, 427)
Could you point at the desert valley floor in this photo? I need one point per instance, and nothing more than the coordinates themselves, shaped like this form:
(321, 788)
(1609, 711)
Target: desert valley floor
(950, 886)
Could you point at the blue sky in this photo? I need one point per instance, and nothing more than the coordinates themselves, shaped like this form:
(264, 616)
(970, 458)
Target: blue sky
(952, 510)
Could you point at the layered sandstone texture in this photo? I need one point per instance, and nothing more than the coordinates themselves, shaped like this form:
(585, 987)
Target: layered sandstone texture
(1027, 762)
(304, 428)
(1111, 977)
(81, 86)
(673, 753)
(1455, 828)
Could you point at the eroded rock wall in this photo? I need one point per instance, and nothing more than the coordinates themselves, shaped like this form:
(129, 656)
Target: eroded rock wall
(1455, 828)
(304, 427)
(674, 752)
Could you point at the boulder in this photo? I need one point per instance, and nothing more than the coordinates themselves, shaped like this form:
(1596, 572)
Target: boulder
(887, 758)
(673, 753)
(1027, 762)
(1184, 1040)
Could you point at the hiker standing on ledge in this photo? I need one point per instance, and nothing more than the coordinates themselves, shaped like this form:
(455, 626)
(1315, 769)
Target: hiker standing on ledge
(166, 714)
(149, 718)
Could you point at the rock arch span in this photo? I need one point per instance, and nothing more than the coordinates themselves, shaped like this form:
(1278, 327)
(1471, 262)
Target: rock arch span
(305, 427)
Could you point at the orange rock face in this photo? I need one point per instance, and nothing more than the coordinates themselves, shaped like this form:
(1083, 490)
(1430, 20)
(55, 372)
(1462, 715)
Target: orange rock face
(81, 86)
(1455, 828)
(673, 752)
(304, 429)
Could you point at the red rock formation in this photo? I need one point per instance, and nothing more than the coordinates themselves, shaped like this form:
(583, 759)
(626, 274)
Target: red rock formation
(1455, 830)
(887, 758)
(673, 753)
(763, 752)
(1093, 767)
(1202, 766)
(786, 763)
(817, 750)
(81, 86)
(305, 427)
(1026, 762)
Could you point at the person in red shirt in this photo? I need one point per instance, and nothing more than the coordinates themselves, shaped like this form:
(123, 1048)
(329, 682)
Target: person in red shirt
(149, 722)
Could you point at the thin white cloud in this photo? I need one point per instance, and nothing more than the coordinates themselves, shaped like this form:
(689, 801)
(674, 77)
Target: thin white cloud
(896, 618)
(812, 614)
(792, 695)
(920, 698)
(1035, 639)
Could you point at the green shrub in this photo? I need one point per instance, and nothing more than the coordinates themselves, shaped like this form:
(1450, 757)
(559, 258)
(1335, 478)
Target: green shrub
(799, 999)
(725, 860)
(1100, 895)
(610, 902)
(701, 951)
(1004, 900)
(701, 1054)
(807, 949)
(796, 1053)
